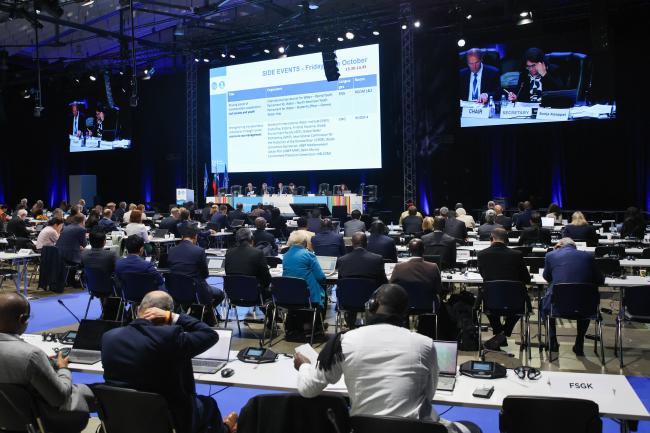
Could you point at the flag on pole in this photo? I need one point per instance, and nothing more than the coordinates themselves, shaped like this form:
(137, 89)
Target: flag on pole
(225, 177)
(205, 180)
(214, 183)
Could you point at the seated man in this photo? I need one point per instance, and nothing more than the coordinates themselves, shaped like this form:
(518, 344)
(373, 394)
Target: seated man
(262, 236)
(17, 225)
(501, 219)
(417, 272)
(166, 342)
(133, 263)
(328, 243)
(566, 264)
(72, 239)
(244, 259)
(406, 382)
(498, 262)
(406, 212)
(302, 227)
(453, 227)
(219, 219)
(106, 222)
(381, 244)
(97, 257)
(412, 223)
(485, 230)
(535, 233)
(66, 406)
(314, 222)
(238, 213)
(188, 259)
(354, 225)
(436, 239)
(170, 223)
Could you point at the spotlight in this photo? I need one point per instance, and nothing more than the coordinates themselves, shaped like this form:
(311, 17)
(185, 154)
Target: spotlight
(468, 17)
(461, 42)
(92, 77)
(76, 80)
(196, 60)
(206, 60)
(524, 14)
(340, 39)
(281, 49)
(223, 55)
(88, 3)
(404, 26)
(146, 71)
(376, 33)
(417, 24)
(50, 7)
(525, 18)
(349, 35)
(26, 94)
(232, 56)
(318, 39)
(301, 46)
(121, 72)
(267, 51)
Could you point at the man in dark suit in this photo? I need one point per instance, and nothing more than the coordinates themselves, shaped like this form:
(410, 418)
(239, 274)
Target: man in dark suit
(118, 215)
(412, 223)
(238, 213)
(485, 230)
(314, 221)
(566, 264)
(154, 354)
(106, 223)
(328, 243)
(535, 234)
(244, 259)
(73, 239)
(434, 241)
(133, 263)
(97, 258)
(537, 78)
(219, 219)
(453, 227)
(188, 259)
(17, 225)
(523, 217)
(416, 271)
(381, 244)
(479, 81)
(170, 223)
(261, 236)
(501, 219)
(498, 262)
(77, 120)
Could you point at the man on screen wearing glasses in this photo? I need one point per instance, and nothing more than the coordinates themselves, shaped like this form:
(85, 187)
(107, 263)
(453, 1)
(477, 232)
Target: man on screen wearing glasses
(537, 78)
(479, 81)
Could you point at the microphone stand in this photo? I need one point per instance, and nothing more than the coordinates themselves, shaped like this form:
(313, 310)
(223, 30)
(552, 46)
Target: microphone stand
(69, 310)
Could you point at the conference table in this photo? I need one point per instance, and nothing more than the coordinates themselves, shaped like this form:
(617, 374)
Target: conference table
(284, 201)
(19, 261)
(613, 393)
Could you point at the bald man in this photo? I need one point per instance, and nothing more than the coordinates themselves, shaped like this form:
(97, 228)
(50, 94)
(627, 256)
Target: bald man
(66, 405)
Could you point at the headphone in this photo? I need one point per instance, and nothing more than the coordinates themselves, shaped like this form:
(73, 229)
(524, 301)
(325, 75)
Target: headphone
(372, 304)
(24, 317)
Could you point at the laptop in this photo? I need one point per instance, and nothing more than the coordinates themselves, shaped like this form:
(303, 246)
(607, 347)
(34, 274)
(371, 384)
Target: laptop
(327, 264)
(215, 263)
(237, 223)
(447, 354)
(87, 345)
(216, 357)
(548, 222)
(160, 233)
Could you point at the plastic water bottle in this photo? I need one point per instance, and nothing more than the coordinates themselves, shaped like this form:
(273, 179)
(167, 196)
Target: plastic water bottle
(504, 101)
(492, 107)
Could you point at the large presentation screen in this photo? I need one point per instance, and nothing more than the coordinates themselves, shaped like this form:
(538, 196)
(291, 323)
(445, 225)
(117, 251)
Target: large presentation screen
(93, 127)
(283, 115)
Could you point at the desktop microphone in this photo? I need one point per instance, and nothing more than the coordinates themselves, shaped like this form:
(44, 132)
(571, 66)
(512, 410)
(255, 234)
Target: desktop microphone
(521, 86)
(332, 418)
(69, 311)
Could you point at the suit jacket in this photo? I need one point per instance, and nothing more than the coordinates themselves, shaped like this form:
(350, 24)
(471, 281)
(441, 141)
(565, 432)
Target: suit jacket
(189, 260)
(523, 219)
(581, 233)
(219, 221)
(107, 225)
(328, 243)
(535, 235)
(81, 122)
(260, 236)
(353, 226)
(456, 229)
(498, 262)
(490, 82)
(485, 230)
(118, 215)
(237, 215)
(412, 224)
(171, 224)
(440, 238)
(72, 238)
(133, 264)
(157, 359)
(247, 260)
(99, 259)
(384, 246)
(360, 263)
(314, 224)
(505, 221)
(416, 271)
(18, 228)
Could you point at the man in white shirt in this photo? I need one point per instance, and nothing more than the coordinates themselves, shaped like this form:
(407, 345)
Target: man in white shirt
(388, 370)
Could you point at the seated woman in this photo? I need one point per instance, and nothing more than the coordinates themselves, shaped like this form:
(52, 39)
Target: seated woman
(555, 212)
(427, 227)
(135, 226)
(299, 262)
(580, 230)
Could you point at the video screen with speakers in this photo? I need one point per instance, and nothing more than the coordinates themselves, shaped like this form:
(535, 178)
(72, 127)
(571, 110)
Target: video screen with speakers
(96, 125)
(547, 81)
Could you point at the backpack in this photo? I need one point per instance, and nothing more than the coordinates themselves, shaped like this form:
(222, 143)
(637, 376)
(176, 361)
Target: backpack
(462, 310)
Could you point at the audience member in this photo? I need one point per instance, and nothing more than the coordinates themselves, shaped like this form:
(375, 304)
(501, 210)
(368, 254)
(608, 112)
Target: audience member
(485, 230)
(127, 215)
(50, 234)
(412, 223)
(427, 226)
(535, 233)
(279, 223)
(72, 240)
(523, 216)
(361, 263)
(133, 263)
(461, 215)
(314, 221)
(417, 272)
(555, 212)
(354, 224)
(170, 223)
(237, 213)
(440, 239)
(381, 244)
(106, 223)
(453, 227)
(327, 242)
(17, 225)
(97, 258)
(298, 262)
(490, 206)
(301, 224)
(219, 219)
(501, 219)
(118, 215)
(406, 212)
(135, 226)
(634, 224)
(262, 236)
(580, 230)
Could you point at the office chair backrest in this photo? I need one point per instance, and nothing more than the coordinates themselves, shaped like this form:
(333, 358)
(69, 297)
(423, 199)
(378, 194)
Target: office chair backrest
(506, 297)
(646, 253)
(353, 293)
(608, 266)
(571, 69)
(181, 288)
(290, 292)
(390, 424)
(121, 411)
(440, 250)
(136, 285)
(18, 412)
(235, 190)
(98, 282)
(525, 251)
(421, 296)
(548, 414)
(242, 290)
(575, 300)
(323, 189)
(637, 302)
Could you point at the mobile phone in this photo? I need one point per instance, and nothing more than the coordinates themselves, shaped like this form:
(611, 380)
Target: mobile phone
(483, 392)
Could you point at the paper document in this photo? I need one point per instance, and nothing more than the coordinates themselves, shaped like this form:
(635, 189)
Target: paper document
(308, 352)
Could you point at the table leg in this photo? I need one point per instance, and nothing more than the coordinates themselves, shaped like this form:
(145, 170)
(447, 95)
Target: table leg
(624, 426)
(25, 277)
(539, 318)
(18, 276)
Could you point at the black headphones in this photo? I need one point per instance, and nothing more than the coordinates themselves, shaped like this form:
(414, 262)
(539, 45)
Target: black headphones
(24, 317)
(372, 304)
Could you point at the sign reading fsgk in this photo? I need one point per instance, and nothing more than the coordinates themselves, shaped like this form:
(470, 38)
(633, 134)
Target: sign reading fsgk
(581, 385)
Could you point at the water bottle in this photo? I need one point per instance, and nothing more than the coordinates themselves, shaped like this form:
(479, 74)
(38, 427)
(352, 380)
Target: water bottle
(492, 107)
(504, 101)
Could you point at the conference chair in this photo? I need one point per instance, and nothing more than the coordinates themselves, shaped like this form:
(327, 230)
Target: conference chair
(243, 291)
(422, 301)
(548, 414)
(392, 424)
(609, 266)
(292, 294)
(19, 412)
(301, 190)
(433, 258)
(443, 251)
(573, 301)
(370, 193)
(336, 190)
(610, 251)
(134, 286)
(291, 413)
(184, 292)
(506, 298)
(223, 191)
(121, 410)
(646, 253)
(324, 189)
(352, 294)
(571, 71)
(525, 251)
(235, 190)
(99, 284)
(635, 307)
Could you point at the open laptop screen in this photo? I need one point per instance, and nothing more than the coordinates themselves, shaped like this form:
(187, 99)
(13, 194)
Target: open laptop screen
(215, 262)
(221, 350)
(89, 335)
(447, 354)
(327, 263)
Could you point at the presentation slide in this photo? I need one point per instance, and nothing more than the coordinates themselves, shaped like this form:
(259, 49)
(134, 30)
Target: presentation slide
(283, 115)
(93, 128)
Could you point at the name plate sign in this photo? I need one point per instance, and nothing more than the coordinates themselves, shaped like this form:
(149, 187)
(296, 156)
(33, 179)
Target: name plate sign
(513, 112)
(555, 114)
(589, 387)
(476, 112)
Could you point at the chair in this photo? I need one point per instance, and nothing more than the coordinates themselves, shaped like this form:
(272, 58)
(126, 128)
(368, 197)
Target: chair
(506, 298)
(645, 254)
(223, 191)
(120, 411)
(525, 251)
(635, 307)
(301, 190)
(422, 300)
(370, 193)
(575, 301)
(564, 414)
(324, 189)
(243, 291)
(609, 266)
(18, 411)
(352, 295)
(433, 258)
(99, 285)
(392, 424)
(572, 70)
(273, 261)
(440, 250)
(336, 190)
(292, 294)
(135, 286)
(610, 251)
(534, 263)
(53, 273)
(235, 190)
(182, 289)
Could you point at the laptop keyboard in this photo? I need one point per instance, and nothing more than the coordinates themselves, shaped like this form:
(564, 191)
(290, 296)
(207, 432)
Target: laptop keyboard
(80, 356)
(446, 383)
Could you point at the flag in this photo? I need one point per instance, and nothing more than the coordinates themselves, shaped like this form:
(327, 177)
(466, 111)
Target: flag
(225, 176)
(205, 180)
(214, 183)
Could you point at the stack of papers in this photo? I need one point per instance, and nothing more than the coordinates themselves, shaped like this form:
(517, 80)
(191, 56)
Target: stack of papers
(594, 112)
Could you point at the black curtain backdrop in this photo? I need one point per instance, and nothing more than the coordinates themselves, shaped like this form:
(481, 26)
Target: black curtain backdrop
(592, 165)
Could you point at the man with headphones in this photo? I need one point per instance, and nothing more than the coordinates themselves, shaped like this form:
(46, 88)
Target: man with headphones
(63, 405)
(388, 369)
